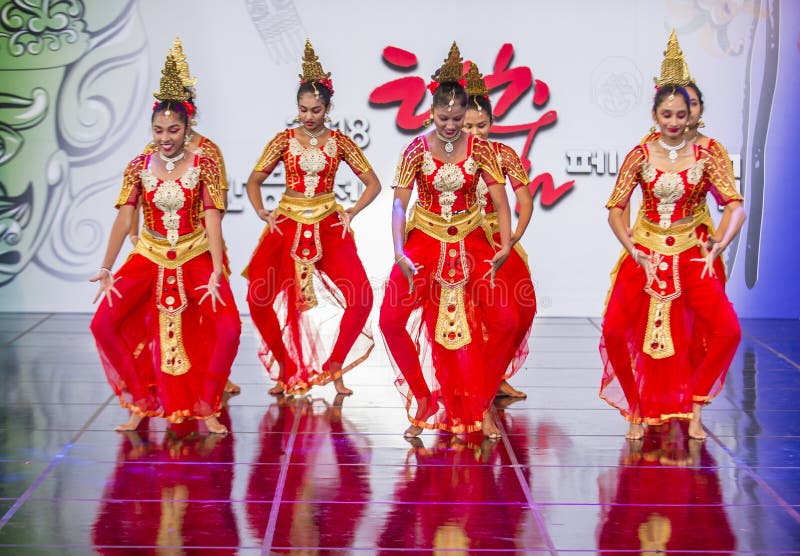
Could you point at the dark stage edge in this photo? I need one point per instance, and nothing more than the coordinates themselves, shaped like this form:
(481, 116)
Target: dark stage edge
(304, 476)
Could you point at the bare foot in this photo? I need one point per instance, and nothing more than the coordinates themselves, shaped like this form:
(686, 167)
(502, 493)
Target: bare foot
(232, 388)
(412, 431)
(507, 390)
(489, 427)
(635, 432)
(425, 409)
(131, 425)
(341, 388)
(277, 390)
(696, 429)
(214, 426)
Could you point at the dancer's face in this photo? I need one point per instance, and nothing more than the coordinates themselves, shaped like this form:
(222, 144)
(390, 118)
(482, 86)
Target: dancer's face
(477, 123)
(448, 120)
(168, 133)
(671, 116)
(695, 108)
(311, 111)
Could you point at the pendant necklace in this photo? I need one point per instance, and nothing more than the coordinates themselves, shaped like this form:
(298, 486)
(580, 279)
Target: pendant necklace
(448, 143)
(169, 163)
(313, 141)
(672, 151)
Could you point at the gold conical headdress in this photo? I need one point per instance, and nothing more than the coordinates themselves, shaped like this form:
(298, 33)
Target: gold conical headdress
(312, 69)
(674, 70)
(453, 67)
(476, 86)
(183, 66)
(171, 85)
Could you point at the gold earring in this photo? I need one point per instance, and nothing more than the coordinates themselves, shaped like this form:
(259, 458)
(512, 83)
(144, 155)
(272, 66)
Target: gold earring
(686, 128)
(701, 123)
(327, 118)
(653, 128)
(296, 119)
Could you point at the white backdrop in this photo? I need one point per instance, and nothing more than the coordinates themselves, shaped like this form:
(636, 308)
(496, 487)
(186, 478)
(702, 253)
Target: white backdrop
(597, 59)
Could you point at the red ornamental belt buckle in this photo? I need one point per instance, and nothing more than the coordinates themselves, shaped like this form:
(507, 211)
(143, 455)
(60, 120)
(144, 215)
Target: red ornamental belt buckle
(169, 295)
(307, 245)
(452, 269)
(665, 284)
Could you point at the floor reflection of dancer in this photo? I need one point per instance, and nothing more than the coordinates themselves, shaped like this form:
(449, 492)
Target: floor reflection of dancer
(171, 294)
(457, 470)
(440, 296)
(194, 143)
(326, 491)
(665, 497)
(515, 271)
(170, 490)
(666, 285)
(308, 240)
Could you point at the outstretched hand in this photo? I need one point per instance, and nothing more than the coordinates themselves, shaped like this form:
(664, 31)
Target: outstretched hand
(344, 221)
(212, 290)
(495, 263)
(708, 258)
(271, 221)
(646, 262)
(409, 270)
(107, 282)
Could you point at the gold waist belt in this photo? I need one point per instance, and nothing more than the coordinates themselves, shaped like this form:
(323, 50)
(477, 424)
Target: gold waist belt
(435, 225)
(308, 211)
(673, 240)
(306, 244)
(163, 253)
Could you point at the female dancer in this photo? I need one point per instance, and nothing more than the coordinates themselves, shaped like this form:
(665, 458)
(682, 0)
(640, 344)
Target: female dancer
(171, 294)
(674, 58)
(444, 273)
(194, 143)
(515, 272)
(308, 236)
(665, 287)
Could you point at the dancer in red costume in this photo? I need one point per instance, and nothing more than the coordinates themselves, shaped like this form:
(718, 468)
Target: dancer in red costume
(167, 328)
(666, 287)
(194, 143)
(441, 308)
(307, 241)
(515, 271)
(692, 134)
